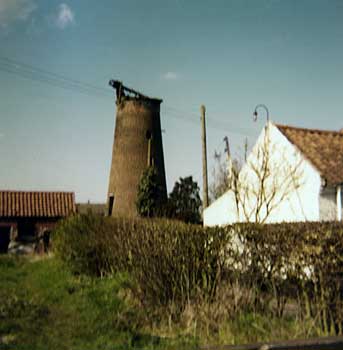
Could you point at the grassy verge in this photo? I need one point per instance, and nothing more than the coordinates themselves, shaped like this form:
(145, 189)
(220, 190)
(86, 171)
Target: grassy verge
(44, 306)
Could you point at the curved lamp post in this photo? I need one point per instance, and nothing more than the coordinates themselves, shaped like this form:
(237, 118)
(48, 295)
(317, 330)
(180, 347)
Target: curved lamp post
(261, 106)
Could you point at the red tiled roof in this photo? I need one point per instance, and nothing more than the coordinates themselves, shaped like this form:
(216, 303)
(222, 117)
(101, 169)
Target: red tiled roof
(324, 149)
(36, 204)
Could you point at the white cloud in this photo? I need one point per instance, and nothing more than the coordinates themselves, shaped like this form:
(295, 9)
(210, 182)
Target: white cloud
(170, 76)
(15, 10)
(65, 16)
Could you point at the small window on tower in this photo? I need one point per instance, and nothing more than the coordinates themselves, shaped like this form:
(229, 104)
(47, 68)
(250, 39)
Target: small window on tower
(110, 204)
(148, 135)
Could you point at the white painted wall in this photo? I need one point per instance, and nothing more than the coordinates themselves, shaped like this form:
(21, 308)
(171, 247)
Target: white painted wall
(339, 202)
(327, 204)
(301, 204)
(223, 211)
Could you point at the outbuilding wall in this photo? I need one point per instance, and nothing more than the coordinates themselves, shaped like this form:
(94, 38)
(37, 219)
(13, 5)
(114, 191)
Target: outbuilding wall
(327, 204)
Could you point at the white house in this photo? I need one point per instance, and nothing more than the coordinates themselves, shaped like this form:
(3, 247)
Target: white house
(292, 174)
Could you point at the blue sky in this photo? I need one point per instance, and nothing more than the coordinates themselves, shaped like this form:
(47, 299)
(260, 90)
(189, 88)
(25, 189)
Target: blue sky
(229, 55)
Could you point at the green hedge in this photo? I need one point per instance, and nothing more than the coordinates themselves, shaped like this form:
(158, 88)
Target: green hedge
(175, 263)
(171, 261)
(299, 261)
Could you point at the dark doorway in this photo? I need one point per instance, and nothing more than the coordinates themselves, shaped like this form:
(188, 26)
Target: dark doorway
(26, 231)
(5, 232)
(46, 240)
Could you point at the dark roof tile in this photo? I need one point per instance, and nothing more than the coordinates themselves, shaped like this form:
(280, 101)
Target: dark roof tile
(323, 148)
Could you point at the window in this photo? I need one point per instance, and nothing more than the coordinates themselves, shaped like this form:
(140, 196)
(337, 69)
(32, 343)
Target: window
(110, 204)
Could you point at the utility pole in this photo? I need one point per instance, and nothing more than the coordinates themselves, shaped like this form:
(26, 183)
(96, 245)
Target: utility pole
(246, 149)
(204, 158)
(227, 147)
(229, 160)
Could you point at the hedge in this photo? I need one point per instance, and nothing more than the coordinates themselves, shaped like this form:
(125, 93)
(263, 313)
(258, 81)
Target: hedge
(173, 262)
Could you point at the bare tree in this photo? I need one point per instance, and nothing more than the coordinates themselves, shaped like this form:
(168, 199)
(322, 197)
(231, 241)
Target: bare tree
(268, 178)
(222, 175)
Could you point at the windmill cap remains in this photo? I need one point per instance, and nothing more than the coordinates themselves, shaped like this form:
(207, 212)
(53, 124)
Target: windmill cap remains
(126, 92)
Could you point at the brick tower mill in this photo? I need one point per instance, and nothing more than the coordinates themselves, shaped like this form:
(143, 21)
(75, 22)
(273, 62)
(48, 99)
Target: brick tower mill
(137, 145)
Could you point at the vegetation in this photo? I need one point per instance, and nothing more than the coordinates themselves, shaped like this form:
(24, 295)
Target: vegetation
(149, 194)
(44, 306)
(223, 173)
(269, 177)
(171, 261)
(185, 202)
(262, 269)
(116, 283)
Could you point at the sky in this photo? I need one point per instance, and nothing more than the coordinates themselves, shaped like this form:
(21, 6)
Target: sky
(56, 132)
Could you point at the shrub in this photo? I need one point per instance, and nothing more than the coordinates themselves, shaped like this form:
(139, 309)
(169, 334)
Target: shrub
(299, 261)
(83, 242)
(150, 196)
(184, 201)
(173, 263)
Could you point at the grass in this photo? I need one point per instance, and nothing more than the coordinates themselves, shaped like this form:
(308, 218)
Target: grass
(44, 306)
(241, 329)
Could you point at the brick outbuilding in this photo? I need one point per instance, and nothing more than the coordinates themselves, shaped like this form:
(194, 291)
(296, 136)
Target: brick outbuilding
(26, 218)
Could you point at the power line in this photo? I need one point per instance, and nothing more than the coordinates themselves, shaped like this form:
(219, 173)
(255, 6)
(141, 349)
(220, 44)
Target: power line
(215, 123)
(190, 120)
(173, 109)
(50, 80)
(211, 123)
(52, 75)
(53, 83)
(37, 74)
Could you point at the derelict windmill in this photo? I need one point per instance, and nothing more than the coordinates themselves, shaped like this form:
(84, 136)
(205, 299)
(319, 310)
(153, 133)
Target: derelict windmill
(137, 145)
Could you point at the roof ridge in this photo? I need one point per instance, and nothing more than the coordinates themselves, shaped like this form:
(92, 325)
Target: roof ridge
(339, 133)
(34, 191)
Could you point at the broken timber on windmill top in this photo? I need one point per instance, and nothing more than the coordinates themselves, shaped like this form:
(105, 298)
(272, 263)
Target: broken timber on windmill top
(137, 145)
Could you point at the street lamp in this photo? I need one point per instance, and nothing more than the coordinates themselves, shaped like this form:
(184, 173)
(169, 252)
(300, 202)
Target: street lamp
(261, 106)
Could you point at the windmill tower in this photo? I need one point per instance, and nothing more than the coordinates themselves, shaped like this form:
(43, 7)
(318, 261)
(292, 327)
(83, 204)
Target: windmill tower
(137, 145)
